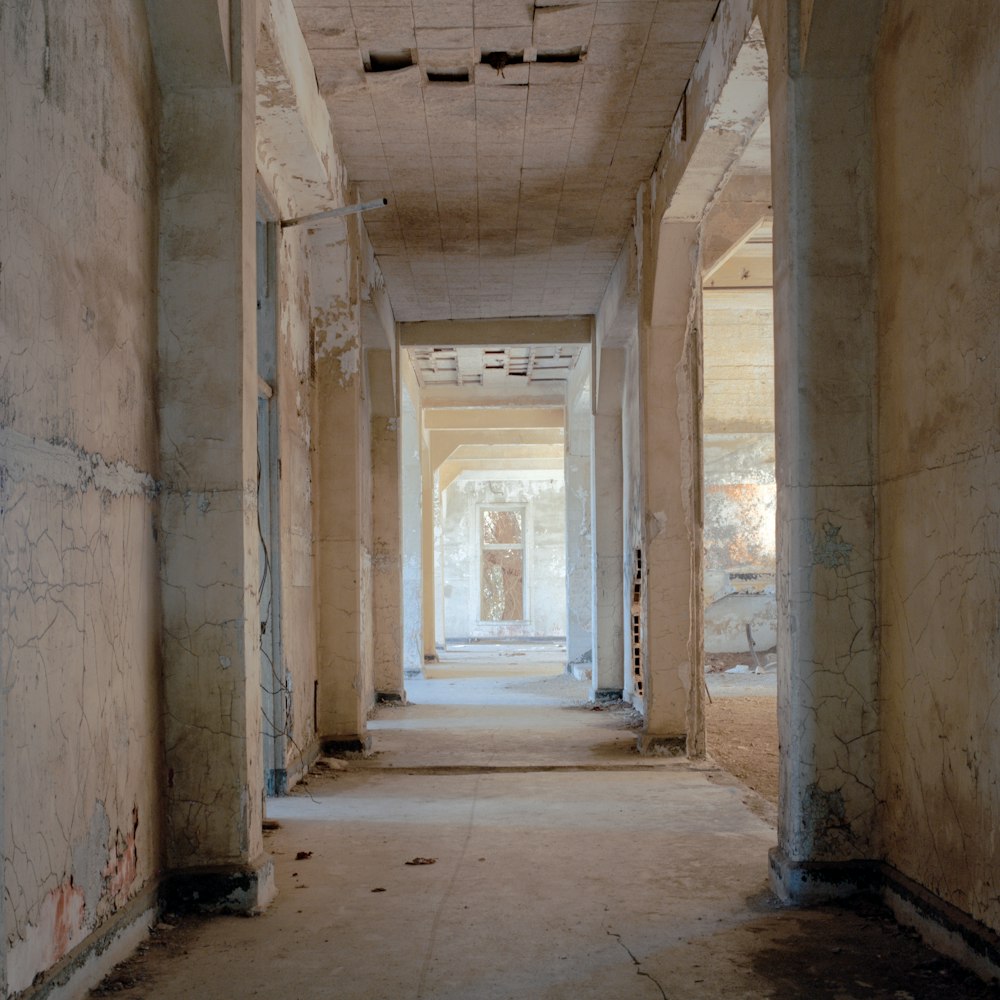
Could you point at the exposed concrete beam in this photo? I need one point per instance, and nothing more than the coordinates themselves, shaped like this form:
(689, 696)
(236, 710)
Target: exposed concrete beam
(724, 104)
(494, 417)
(529, 468)
(497, 332)
(295, 151)
(443, 444)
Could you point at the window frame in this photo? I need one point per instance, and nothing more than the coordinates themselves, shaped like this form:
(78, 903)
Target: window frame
(483, 546)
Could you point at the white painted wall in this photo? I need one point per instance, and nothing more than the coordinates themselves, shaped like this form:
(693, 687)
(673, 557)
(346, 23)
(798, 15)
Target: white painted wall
(543, 495)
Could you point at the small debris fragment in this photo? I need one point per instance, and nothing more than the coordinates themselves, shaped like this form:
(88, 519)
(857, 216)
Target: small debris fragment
(303, 855)
(422, 861)
(379, 889)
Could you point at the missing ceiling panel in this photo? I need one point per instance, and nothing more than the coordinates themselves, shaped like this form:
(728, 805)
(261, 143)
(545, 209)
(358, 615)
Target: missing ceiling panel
(499, 60)
(458, 74)
(572, 55)
(388, 62)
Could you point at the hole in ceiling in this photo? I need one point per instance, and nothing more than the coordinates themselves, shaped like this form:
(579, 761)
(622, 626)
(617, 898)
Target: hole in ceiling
(388, 62)
(499, 60)
(573, 55)
(458, 75)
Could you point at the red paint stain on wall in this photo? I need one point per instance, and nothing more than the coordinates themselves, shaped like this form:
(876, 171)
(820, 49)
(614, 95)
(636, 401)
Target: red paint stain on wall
(120, 872)
(69, 905)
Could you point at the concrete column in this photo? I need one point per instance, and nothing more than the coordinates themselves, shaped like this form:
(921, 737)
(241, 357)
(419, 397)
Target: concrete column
(208, 454)
(427, 549)
(609, 610)
(387, 563)
(412, 652)
(343, 502)
(579, 543)
(670, 374)
(825, 316)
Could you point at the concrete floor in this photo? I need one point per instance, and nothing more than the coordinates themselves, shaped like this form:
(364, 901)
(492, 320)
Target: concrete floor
(565, 867)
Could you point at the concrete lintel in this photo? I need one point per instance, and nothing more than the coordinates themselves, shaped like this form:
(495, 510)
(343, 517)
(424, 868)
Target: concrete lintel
(239, 889)
(442, 444)
(497, 332)
(494, 417)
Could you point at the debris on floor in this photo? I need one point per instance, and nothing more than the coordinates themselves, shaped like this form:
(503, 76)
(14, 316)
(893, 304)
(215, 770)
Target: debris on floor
(422, 861)
(303, 855)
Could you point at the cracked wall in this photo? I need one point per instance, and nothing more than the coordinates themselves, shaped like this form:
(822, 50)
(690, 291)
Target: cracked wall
(79, 655)
(938, 159)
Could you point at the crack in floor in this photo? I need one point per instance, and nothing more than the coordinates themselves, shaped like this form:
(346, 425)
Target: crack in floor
(639, 971)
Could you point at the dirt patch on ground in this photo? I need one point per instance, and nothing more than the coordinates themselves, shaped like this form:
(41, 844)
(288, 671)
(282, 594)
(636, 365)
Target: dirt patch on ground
(743, 738)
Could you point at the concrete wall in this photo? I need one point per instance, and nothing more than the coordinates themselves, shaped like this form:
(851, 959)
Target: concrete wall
(80, 831)
(938, 152)
(738, 434)
(545, 555)
(295, 393)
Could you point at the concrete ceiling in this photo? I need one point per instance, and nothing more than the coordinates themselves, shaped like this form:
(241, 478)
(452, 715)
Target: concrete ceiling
(510, 191)
(497, 368)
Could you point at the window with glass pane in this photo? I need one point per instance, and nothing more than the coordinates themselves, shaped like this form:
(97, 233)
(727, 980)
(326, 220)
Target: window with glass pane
(502, 562)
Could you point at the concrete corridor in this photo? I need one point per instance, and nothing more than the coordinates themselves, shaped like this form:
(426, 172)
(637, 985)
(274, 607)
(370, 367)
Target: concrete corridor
(565, 867)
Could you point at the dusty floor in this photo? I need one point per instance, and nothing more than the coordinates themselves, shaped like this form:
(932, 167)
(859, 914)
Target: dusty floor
(565, 867)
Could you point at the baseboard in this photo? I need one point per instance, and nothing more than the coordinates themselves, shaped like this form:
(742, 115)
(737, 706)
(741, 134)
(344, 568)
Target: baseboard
(942, 926)
(301, 765)
(608, 694)
(333, 745)
(91, 960)
(661, 746)
(806, 883)
(240, 889)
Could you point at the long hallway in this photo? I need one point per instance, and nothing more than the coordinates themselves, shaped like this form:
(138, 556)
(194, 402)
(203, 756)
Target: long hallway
(565, 867)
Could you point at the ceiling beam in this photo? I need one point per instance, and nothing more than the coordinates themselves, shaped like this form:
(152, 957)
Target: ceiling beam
(497, 332)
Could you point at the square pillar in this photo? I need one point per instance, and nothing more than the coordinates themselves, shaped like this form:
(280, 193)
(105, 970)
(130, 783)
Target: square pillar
(412, 526)
(670, 383)
(609, 610)
(387, 564)
(343, 502)
(825, 335)
(579, 544)
(208, 454)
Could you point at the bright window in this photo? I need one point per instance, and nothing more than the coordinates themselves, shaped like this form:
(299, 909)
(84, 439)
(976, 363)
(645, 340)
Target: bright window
(501, 533)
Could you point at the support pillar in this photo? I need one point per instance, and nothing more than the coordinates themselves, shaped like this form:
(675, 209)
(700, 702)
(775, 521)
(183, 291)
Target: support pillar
(428, 553)
(579, 542)
(208, 454)
(412, 525)
(609, 611)
(342, 478)
(825, 328)
(387, 563)
(670, 372)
